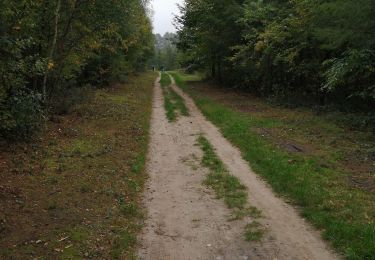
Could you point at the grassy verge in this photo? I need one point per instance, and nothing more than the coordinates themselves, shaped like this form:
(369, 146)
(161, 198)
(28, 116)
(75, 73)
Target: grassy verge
(230, 189)
(316, 180)
(173, 103)
(75, 192)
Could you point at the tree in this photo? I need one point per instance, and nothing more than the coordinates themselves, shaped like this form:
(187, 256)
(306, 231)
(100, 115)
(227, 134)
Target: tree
(300, 51)
(49, 47)
(166, 55)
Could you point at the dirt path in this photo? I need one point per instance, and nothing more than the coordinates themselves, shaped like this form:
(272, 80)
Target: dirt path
(187, 222)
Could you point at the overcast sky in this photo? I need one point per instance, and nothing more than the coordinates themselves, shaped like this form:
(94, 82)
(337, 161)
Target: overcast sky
(164, 11)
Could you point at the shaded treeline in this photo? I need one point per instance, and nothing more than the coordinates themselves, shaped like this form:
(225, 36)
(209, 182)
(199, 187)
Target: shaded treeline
(311, 52)
(166, 55)
(52, 50)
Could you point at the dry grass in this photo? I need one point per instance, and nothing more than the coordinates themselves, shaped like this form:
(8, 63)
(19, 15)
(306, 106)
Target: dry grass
(74, 193)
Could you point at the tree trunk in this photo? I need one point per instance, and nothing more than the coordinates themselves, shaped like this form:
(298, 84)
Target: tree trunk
(52, 50)
(213, 65)
(219, 69)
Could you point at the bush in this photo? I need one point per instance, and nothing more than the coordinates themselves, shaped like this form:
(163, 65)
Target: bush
(64, 100)
(21, 115)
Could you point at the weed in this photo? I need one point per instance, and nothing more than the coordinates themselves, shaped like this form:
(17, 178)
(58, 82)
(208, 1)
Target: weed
(81, 147)
(170, 108)
(85, 188)
(52, 180)
(71, 253)
(52, 205)
(129, 209)
(254, 231)
(79, 234)
(179, 103)
(122, 243)
(252, 212)
(165, 80)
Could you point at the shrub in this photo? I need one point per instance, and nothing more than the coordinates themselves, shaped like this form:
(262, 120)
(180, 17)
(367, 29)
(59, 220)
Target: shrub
(21, 115)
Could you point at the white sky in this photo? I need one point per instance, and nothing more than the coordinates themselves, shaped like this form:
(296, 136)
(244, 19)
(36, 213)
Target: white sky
(164, 11)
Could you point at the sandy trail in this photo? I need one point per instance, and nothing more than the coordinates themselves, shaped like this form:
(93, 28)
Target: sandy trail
(187, 222)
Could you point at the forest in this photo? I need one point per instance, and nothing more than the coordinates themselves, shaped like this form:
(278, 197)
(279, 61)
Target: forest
(52, 51)
(248, 133)
(166, 56)
(298, 52)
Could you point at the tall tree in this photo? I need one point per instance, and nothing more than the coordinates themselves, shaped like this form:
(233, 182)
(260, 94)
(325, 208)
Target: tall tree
(48, 47)
(312, 52)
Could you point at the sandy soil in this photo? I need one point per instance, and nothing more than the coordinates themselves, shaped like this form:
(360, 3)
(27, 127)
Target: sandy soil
(187, 222)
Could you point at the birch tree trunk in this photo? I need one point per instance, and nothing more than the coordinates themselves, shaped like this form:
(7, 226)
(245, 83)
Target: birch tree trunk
(52, 50)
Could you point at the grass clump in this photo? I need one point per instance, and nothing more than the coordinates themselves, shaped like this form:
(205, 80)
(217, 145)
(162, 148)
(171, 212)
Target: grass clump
(165, 80)
(122, 242)
(225, 185)
(179, 103)
(254, 231)
(174, 104)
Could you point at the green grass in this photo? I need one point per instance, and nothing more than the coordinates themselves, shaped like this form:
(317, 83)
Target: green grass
(174, 104)
(230, 189)
(254, 231)
(226, 186)
(179, 103)
(169, 108)
(165, 80)
(345, 215)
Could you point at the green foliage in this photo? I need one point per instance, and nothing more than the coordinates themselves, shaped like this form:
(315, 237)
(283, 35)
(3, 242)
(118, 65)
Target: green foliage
(356, 68)
(166, 55)
(310, 52)
(207, 34)
(50, 46)
(21, 115)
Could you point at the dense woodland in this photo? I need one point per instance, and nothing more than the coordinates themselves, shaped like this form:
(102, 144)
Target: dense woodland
(312, 52)
(319, 53)
(166, 55)
(52, 51)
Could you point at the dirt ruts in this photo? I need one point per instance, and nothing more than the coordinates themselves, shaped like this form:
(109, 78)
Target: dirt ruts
(185, 221)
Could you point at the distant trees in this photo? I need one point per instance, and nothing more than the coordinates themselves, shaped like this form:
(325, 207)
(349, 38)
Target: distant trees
(296, 50)
(166, 55)
(49, 47)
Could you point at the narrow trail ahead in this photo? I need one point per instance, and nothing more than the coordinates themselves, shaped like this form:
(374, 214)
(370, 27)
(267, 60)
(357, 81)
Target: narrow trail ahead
(187, 222)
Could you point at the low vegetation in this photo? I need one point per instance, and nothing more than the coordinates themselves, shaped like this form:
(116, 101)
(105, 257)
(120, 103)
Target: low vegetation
(230, 189)
(173, 103)
(317, 164)
(73, 192)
